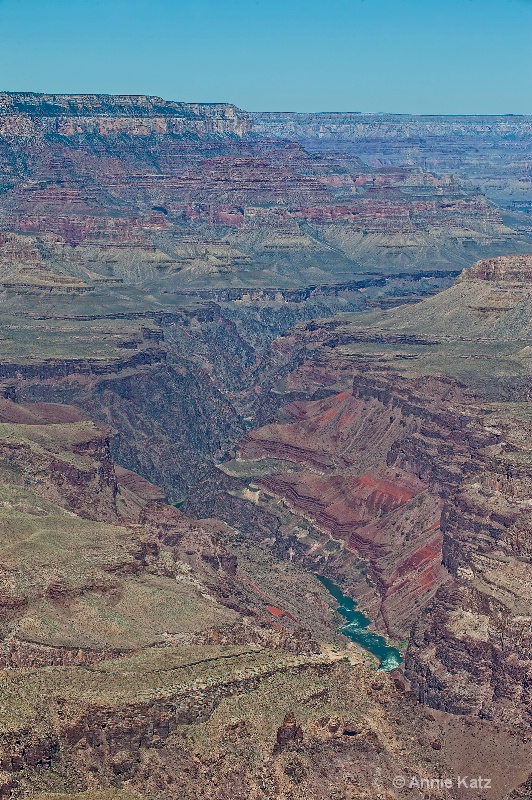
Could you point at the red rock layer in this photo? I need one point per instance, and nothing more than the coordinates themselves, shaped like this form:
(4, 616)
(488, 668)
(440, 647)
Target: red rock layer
(433, 489)
(105, 171)
(385, 514)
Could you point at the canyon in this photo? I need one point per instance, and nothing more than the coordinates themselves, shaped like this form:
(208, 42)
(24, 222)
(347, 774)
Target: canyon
(165, 194)
(238, 352)
(491, 151)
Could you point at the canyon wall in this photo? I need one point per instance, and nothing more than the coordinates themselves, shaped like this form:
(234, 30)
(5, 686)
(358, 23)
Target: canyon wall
(492, 151)
(139, 191)
(29, 115)
(407, 486)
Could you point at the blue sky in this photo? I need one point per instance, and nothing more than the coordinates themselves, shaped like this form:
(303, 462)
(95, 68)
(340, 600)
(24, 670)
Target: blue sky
(417, 56)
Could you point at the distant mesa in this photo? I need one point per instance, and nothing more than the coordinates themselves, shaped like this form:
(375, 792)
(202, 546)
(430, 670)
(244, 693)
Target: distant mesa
(26, 114)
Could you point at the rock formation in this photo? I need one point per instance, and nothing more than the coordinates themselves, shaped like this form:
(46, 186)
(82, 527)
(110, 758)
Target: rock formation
(423, 478)
(151, 192)
(492, 151)
(218, 380)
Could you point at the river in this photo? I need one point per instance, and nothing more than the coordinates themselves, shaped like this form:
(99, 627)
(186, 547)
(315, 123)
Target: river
(356, 628)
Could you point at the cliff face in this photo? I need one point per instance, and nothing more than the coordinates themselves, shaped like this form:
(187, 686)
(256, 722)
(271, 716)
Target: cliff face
(506, 270)
(77, 470)
(480, 624)
(160, 194)
(354, 496)
(490, 150)
(36, 115)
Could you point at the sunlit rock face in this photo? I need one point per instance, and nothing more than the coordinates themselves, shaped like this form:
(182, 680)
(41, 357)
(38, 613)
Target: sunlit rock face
(159, 193)
(28, 114)
(507, 270)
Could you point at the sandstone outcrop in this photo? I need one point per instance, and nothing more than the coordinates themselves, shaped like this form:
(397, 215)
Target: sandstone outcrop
(28, 115)
(508, 270)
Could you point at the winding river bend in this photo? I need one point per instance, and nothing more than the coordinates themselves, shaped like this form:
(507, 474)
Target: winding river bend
(356, 628)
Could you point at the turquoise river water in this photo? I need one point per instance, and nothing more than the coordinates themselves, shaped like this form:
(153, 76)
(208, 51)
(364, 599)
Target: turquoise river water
(356, 628)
